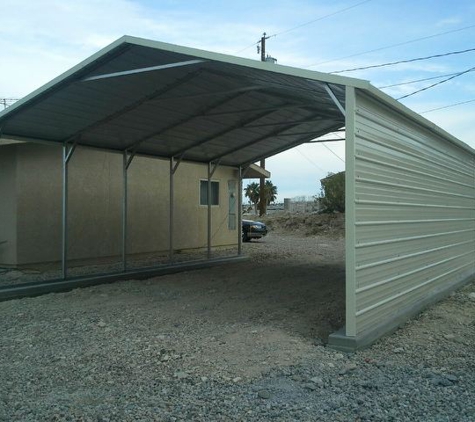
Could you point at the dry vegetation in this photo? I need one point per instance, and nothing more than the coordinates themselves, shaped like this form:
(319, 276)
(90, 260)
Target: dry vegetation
(328, 225)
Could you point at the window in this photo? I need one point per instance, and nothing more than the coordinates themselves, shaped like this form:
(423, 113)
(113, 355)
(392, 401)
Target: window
(204, 193)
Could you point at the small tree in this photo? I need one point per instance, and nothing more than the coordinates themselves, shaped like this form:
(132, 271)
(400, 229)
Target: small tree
(332, 194)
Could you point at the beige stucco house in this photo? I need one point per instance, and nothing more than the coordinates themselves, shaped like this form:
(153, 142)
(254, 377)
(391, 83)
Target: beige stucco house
(31, 208)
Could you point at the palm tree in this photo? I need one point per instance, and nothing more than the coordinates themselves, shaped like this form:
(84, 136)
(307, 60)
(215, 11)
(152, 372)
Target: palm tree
(270, 192)
(252, 192)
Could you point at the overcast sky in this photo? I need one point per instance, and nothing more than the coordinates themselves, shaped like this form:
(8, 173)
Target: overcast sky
(40, 39)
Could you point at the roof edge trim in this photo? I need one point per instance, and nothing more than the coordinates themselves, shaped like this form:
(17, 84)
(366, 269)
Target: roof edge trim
(121, 42)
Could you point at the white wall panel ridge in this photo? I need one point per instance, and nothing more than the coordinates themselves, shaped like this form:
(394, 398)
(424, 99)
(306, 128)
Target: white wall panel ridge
(414, 214)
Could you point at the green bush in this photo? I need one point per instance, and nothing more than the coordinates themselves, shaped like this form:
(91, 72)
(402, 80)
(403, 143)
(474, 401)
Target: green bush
(332, 194)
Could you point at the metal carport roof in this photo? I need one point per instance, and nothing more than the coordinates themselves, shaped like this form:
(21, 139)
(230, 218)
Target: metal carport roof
(163, 100)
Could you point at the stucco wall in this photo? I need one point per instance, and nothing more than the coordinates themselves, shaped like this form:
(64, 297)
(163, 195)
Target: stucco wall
(95, 205)
(148, 205)
(94, 214)
(8, 205)
(38, 190)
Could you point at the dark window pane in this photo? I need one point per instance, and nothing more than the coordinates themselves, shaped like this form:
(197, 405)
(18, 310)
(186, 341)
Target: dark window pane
(204, 193)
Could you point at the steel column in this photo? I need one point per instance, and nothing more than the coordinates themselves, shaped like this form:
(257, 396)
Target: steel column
(211, 169)
(67, 153)
(239, 213)
(171, 209)
(64, 221)
(209, 210)
(173, 169)
(124, 211)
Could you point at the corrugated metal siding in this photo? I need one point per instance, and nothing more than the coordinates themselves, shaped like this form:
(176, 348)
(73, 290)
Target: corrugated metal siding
(414, 213)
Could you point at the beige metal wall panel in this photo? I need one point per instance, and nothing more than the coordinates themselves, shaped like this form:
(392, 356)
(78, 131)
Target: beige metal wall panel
(413, 216)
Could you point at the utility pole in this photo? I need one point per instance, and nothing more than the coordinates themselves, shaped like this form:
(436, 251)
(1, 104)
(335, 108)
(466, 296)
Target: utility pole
(263, 47)
(7, 102)
(262, 180)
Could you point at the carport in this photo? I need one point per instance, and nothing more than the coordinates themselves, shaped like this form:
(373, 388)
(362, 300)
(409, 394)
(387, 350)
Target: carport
(410, 186)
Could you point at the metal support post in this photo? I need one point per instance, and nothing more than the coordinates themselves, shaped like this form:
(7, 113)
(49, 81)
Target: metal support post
(173, 169)
(211, 169)
(239, 213)
(170, 218)
(262, 193)
(124, 210)
(209, 210)
(64, 221)
(67, 154)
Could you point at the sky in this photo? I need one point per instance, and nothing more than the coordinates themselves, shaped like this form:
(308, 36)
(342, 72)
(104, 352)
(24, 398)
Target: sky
(40, 39)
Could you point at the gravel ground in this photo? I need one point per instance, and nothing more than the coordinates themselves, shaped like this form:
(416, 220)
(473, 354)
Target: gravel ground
(243, 342)
(46, 272)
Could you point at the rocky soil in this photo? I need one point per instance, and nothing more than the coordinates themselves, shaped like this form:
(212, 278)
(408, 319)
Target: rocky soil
(243, 342)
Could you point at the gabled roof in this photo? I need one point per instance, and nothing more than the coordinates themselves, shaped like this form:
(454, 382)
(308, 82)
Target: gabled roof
(164, 100)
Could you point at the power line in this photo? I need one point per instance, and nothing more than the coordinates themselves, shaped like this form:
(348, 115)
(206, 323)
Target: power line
(308, 159)
(406, 61)
(447, 106)
(394, 45)
(417, 80)
(334, 153)
(438, 83)
(249, 46)
(305, 24)
(6, 102)
(320, 18)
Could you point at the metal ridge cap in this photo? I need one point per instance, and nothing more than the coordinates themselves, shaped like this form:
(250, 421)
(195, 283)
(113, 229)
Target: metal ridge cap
(241, 61)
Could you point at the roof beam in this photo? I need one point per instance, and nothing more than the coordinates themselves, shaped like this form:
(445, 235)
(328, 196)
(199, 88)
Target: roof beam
(334, 99)
(207, 94)
(320, 141)
(308, 132)
(239, 125)
(181, 81)
(301, 140)
(248, 110)
(326, 108)
(272, 84)
(273, 133)
(212, 167)
(141, 70)
(298, 122)
(269, 88)
(203, 111)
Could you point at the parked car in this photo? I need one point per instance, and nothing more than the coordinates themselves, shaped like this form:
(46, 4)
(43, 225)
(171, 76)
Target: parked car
(253, 230)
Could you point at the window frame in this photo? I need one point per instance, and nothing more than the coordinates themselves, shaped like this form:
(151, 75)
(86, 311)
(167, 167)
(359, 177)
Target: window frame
(214, 194)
